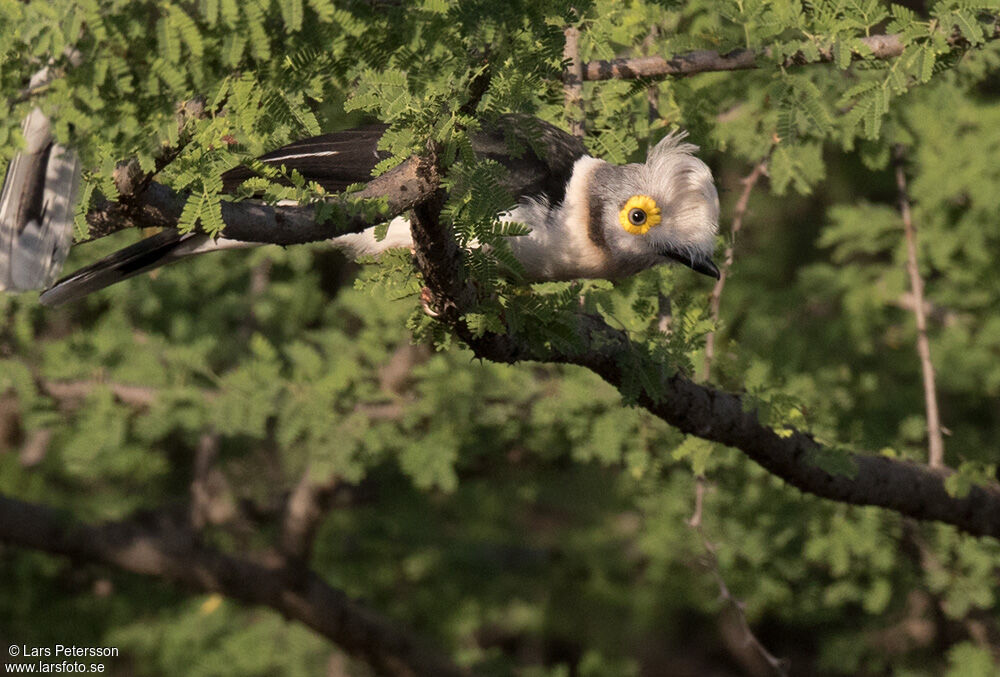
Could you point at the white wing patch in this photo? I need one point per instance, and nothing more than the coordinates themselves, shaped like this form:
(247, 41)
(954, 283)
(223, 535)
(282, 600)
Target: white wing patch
(295, 156)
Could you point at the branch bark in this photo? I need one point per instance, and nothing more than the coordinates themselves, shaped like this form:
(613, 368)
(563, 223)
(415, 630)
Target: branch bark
(163, 546)
(935, 441)
(157, 206)
(706, 61)
(573, 82)
(905, 487)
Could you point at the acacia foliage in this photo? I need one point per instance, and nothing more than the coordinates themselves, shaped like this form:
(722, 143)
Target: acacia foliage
(520, 516)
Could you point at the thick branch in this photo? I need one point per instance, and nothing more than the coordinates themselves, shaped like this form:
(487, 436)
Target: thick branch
(165, 548)
(160, 207)
(705, 61)
(905, 487)
(935, 454)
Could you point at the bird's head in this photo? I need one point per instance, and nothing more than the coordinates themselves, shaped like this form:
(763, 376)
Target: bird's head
(664, 208)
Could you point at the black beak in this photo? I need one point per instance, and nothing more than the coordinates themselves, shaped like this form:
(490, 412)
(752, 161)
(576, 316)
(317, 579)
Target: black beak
(704, 266)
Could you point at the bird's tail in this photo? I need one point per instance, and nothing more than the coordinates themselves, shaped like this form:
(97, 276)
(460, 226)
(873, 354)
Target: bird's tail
(169, 246)
(143, 256)
(36, 209)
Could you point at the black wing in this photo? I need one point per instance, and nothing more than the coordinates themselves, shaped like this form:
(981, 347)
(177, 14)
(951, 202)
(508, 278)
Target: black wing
(334, 161)
(538, 156)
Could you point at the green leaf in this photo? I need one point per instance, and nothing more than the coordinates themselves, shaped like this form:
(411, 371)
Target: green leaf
(969, 26)
(696, 451)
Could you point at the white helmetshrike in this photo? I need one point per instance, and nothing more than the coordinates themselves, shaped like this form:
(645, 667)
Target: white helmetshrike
(588, 218)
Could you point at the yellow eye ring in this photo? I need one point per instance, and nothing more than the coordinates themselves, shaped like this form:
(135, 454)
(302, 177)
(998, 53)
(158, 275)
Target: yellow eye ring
(639, 214)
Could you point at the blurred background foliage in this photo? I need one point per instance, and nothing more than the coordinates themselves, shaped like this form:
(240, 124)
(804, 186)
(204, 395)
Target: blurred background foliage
(520, 516)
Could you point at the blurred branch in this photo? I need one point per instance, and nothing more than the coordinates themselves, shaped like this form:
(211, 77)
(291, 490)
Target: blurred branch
(395, 375)
(778, 666)
(211, 497)
(35, 447)
(40, 80)
(71, 393)
(165, 547)
(260, 279)
(303, 513)
(943, 315)
(739, 211)
(705, 61)
(935, 455)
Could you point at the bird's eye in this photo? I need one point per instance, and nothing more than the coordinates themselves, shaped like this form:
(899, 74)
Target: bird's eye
(639, 214)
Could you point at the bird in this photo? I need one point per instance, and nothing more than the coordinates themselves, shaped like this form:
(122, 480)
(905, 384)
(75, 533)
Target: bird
(587, 218)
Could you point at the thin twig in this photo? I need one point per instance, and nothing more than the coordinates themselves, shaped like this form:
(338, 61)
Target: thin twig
(739, 211)
(35, 447)
(303, 513)
(935, 442)
(69, 394)
(653, 91)
(211, 496)
(778, 665)
(573, 82)
(705, 61)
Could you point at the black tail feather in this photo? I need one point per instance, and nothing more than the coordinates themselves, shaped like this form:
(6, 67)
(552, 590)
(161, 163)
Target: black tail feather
(134, 260)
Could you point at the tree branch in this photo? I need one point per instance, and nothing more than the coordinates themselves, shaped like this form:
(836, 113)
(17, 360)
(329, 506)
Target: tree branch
(573, 82)
(70, 394)
(164, 547)
(739, 211)
(935, 441)
(212, 499)
(777, 666)
(302, 515)
(905, 487)
(160, 207)
(706, 61)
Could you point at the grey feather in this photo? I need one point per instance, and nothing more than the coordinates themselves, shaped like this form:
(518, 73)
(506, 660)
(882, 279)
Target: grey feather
(36, 209)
